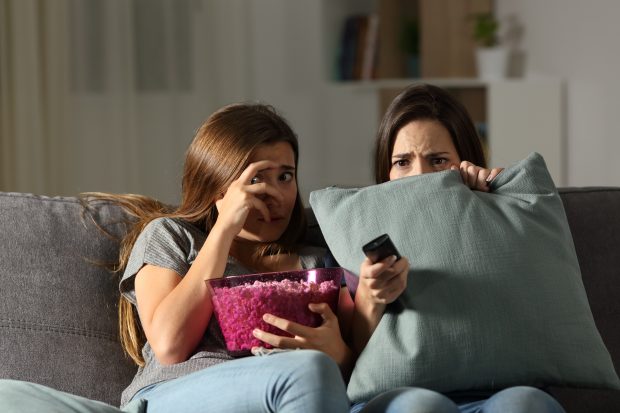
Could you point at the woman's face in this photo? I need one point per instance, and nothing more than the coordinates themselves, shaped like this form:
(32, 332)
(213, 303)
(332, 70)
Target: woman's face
(422, 146)
(282, 178)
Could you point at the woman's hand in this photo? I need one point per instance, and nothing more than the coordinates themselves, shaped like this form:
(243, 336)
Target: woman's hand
(243, 195)
(475, 177)
(326, 337)
(382, 282)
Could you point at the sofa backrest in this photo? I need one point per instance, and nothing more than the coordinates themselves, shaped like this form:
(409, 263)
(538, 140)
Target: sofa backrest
(594, 218)
(58, 323)
(58, 303)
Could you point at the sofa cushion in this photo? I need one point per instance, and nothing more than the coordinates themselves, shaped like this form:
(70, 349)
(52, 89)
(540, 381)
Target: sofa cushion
(495, 296)
(58, 306)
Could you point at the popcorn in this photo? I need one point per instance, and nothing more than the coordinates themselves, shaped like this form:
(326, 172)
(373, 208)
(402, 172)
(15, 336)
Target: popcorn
(239, 308)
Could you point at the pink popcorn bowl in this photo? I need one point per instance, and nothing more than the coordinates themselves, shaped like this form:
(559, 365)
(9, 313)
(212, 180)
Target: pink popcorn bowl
(239, 302)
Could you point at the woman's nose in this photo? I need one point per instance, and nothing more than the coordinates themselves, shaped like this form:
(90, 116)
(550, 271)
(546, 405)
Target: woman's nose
(419, 168)
(267, 198)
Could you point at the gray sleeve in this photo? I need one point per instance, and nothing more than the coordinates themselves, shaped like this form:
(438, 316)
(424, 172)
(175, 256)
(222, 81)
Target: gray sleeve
(163, 243)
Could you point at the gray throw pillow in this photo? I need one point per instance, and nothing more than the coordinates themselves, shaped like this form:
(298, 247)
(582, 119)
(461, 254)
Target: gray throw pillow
(494, 295)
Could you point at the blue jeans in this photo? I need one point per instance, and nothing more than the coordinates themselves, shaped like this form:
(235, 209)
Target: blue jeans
(293, 381)
(25, 397)
(519, 399)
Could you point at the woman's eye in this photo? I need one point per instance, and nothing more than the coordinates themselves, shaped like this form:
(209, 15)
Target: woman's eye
(401, 163)
(286, 177)
(255, 180)
(439, 161)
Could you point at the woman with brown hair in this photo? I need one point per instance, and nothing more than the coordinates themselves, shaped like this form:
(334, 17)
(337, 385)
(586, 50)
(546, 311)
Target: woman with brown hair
(240, 213)
(426, 130)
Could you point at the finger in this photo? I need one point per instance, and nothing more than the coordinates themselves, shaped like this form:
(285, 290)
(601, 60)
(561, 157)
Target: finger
(260, 206)
(323, 309)
(472, 175)
(463, 169)
(494, 173)
(375, 270)
(482, 183)
(401, 265)
(278, 341)
(254, 168)
(290, 327)
(264, 189)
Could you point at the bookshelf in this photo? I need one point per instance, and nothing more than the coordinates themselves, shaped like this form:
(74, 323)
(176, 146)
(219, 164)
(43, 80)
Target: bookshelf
(439, 22)
(515, 116)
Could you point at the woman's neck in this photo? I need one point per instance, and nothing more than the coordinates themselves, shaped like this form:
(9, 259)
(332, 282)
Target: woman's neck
(246, 253)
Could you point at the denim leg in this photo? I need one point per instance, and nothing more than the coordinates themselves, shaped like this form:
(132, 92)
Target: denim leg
(304, 381)
(25, 397)
(519, 399)
(410, 400)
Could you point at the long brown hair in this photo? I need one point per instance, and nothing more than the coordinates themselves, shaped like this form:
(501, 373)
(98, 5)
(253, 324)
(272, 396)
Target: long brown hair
(216, 157)
(426, 102)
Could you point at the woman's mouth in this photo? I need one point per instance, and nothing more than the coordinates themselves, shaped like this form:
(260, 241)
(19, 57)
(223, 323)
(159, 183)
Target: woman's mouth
(273, 219)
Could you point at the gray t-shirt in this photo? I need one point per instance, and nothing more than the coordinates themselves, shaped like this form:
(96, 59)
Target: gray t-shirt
(174, 244)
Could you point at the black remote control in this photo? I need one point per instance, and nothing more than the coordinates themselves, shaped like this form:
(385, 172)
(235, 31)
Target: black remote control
(380, 248)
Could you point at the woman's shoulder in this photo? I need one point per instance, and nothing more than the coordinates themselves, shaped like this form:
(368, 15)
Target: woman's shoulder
(170, 236)
(175, 227)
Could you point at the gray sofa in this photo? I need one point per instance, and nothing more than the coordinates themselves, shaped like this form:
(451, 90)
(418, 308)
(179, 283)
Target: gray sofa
(58, 322)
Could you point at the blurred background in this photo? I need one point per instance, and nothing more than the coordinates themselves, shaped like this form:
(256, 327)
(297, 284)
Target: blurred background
(105, 95)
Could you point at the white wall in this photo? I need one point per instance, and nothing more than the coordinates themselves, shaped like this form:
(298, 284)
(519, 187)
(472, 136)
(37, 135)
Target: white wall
(578, 41)
(574, 40)
(278, 51)
(289, 70)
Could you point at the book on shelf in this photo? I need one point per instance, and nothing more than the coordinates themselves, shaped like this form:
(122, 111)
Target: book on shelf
(358, 48)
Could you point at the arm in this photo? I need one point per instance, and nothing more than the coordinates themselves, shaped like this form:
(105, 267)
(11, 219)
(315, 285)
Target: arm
(174, 310)
(379, 284)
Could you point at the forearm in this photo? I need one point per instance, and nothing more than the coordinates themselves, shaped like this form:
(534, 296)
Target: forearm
(182, 316)
(346, 363)
(366, 317)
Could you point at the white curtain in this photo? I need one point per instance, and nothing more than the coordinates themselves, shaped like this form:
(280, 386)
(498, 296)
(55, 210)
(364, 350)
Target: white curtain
(105, 95)
(33, 101)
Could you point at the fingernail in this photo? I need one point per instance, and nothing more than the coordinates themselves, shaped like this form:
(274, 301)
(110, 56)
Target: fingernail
(255, 332)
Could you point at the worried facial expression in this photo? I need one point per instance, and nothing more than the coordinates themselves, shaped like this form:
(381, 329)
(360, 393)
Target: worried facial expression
(420, 147)
(282, 179)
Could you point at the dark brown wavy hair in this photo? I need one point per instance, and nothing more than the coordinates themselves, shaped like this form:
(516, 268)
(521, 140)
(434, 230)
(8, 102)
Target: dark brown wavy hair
(216, 157)
(426, 102)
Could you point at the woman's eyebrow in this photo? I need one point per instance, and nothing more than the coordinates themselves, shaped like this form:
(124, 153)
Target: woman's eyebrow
(402, 155)
(283, 167)
(437, 154)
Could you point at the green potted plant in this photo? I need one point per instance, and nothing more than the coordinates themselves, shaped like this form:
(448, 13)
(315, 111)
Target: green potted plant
(491, 56)
(485, 29)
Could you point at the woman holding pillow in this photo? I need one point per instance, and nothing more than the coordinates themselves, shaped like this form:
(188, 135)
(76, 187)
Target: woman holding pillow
(426, 130)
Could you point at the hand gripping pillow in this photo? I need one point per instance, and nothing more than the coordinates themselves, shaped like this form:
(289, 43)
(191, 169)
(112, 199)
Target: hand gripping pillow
(494, 296)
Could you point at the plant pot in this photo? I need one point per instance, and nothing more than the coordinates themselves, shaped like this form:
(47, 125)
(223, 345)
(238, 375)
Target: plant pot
(492, 62)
